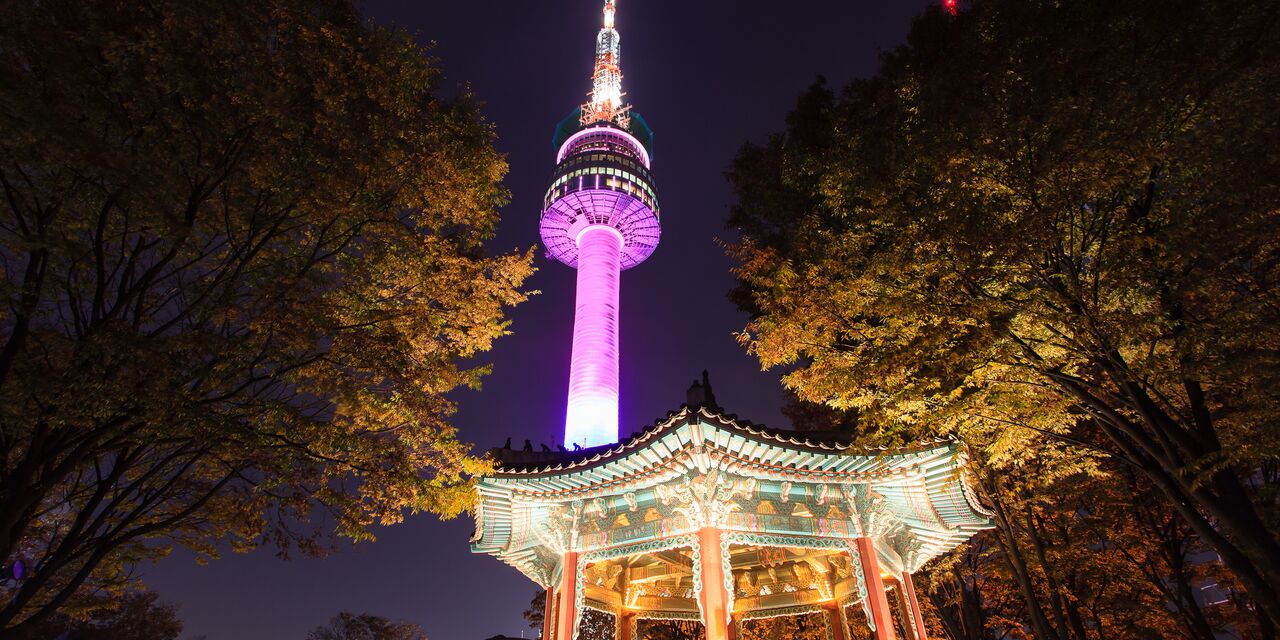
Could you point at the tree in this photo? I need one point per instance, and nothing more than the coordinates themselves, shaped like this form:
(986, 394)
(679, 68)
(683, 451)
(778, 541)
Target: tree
(1049, 228)
(241, 269)
(1093, 554)
(670, 630)
(805, 415)
(594, 625)
(811, 626)
(350, 626)
(536, 614)
(137, 616)
(1084, 557)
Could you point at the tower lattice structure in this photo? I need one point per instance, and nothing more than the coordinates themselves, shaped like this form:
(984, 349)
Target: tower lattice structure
(600, 216)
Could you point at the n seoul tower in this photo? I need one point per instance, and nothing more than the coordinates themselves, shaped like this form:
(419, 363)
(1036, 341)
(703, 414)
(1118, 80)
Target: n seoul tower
(600, 216)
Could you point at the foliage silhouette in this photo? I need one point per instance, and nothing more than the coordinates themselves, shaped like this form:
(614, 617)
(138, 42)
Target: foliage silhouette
(240, 249)
(1050, 228)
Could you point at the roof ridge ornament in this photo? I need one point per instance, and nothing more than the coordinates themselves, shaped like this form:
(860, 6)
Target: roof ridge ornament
(700, 396)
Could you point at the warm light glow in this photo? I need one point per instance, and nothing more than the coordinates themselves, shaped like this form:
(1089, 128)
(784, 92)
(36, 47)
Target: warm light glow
(592, 415)
(606, 82)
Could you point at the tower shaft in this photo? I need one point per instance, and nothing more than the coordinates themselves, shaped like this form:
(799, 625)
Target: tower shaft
(592, 415)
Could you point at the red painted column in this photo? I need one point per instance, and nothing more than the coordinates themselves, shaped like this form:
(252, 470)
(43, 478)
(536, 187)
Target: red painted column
(879, 602)
(733, 628)
(835, 621)
(715, 601)
(623, 631)
(909, 595)
(567, 612)
(549, 615)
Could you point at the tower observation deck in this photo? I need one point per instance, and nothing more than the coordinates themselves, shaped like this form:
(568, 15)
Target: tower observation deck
(600, 216)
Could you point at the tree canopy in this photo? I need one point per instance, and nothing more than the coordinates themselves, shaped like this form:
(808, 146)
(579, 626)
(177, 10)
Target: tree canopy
(137, 615)
(241, 266)
(365, 626)
(594, 625)
(1052, 228)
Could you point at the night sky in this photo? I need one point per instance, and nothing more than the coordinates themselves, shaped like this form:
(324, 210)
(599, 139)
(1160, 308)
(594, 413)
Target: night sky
(707, 76)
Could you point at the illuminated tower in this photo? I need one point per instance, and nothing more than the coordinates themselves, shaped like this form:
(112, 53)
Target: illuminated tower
(600, 216)
(698, 518)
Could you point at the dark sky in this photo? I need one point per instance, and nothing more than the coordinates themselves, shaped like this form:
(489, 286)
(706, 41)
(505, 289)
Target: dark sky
(708, 75)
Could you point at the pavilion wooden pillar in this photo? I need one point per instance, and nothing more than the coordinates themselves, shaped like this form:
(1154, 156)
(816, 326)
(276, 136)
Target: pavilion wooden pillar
(566, 609)
(878, 601)
(623, 630)
(912, 607)
(549, 615)
(836, 621)
(622, 620)
(715, 601)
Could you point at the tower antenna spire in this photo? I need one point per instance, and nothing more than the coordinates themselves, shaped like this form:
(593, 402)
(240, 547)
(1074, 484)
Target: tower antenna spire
(606, 81)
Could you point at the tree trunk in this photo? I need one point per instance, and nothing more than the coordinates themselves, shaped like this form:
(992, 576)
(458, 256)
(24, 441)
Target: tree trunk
(1018, 567)
(1236, 533)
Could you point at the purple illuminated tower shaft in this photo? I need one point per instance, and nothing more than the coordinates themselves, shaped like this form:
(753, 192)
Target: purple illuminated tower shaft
(593, 371)
(600, 216)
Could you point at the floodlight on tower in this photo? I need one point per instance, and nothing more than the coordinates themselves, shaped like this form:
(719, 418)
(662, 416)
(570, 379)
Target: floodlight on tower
(600, 216)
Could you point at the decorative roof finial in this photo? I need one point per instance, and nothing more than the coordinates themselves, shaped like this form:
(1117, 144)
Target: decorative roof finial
(700, 394)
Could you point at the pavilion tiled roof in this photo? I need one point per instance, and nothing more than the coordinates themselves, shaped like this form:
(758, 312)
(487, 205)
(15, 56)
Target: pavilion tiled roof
(517, 463)
(922, 485)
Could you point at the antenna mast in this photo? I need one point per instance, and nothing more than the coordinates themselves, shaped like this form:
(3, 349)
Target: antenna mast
(606, 82)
